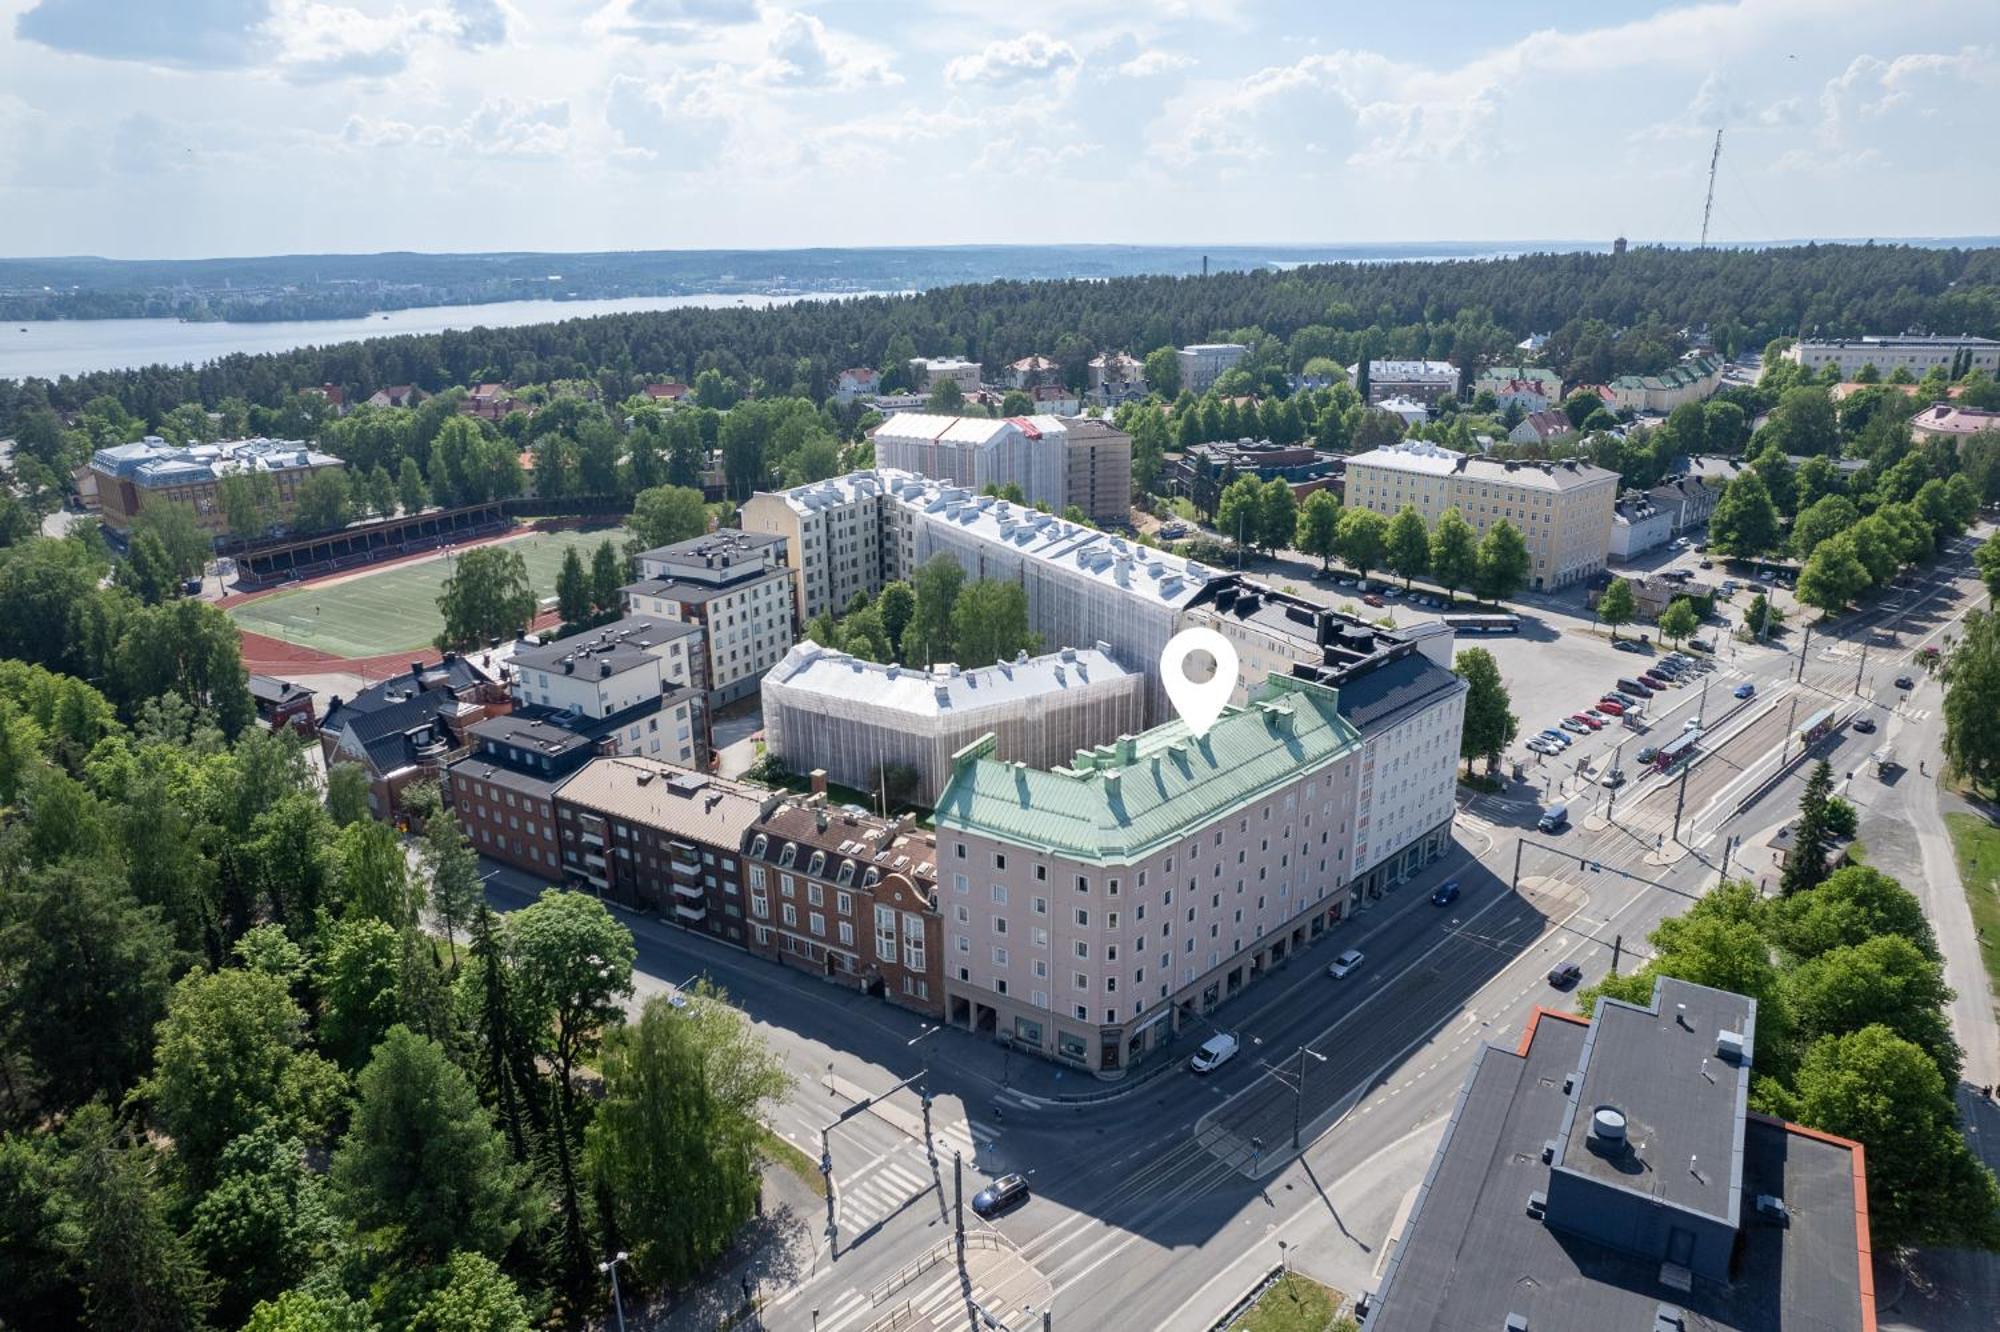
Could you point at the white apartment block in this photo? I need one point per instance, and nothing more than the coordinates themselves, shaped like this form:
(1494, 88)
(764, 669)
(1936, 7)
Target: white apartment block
(926, 371)
(1918, 355)
(859, 719)
(1563, 509)
(1421, 381)
(1202, 363)
(609, 669)
(977, 452)
(736, 587)
(1092, 909)
(834, 532)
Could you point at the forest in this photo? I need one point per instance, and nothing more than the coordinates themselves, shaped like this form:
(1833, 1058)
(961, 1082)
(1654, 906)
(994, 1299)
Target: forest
(1604, 315)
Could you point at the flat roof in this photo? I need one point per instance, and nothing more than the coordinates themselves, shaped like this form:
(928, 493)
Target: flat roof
(968, 431)
(152, 461)
(710, 810)
(1425, 458)
(1902, 340)
(624, 644)
(1469, 1254)
(534, 733)
(947, 691)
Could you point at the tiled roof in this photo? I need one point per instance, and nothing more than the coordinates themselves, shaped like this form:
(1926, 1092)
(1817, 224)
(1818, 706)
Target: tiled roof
(1122, 801)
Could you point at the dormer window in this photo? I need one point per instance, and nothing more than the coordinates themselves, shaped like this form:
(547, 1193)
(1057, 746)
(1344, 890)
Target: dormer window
(871, 878)
(846, 873)
(788, 855)
(758, 846)
(817, 865)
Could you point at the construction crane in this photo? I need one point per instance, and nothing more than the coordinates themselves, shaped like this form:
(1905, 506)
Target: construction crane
(1708, 204)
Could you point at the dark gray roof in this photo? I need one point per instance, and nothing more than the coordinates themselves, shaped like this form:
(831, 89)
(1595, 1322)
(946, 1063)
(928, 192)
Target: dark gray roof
(681, 589)
(474, 767)
(531, 731)
(1376, 695)
(726, 546)
(1470, 1255)
(449, 676)
(624, 643)
(269, 689)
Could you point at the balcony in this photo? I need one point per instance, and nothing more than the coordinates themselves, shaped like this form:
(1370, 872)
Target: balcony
(690, 869)
(690, 914)
(690, 892)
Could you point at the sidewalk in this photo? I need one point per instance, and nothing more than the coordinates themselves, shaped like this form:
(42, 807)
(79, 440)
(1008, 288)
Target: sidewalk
(776, 1251)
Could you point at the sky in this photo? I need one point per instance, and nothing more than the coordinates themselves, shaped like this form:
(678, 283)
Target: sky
(186, 128)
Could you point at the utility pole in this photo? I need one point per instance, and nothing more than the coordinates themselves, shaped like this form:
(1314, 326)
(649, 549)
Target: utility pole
(1728, 845)
(1862, 665)
(1804, 647)
(1299, 1092)
(1785, 746)
(1680, 795)
(1516, 885)
(1611, 805)
(1708, 204)
(1617, 947)
(610, 1266)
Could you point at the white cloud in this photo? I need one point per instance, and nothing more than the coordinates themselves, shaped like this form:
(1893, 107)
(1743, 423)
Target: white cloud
(802, 54)
(214, 34)
(1029, 56)
(1148, 64)
(675, 121)
(675, 21)
(500, 127)
(480, 22)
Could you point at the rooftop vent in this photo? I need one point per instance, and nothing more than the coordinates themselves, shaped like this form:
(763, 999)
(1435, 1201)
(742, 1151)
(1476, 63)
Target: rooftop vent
(1516, 1323)
(1549, 1151)
(1607, 1128)
(1538, 1204)
(1669, 1318)
(1772, 1208)
(1731, 1046)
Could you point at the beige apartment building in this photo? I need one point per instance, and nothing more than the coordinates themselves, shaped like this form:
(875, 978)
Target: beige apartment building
(1089, 910)
(1564, 509)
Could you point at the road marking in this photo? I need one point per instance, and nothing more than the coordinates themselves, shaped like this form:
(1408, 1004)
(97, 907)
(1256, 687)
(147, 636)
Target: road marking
(851, 1306)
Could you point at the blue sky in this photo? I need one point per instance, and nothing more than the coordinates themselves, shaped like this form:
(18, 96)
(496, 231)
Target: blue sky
(141, 128)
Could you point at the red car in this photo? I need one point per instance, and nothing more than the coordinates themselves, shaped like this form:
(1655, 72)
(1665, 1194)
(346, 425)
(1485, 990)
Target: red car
(1587, 720)
(1612, 706)
(1373, 600)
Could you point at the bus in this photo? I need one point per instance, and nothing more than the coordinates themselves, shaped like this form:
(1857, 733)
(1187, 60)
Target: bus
(1482, 624)
(1816, 727)
(1676, 751)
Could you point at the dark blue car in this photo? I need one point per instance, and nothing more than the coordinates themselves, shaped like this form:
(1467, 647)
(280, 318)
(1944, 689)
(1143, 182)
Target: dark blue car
(1446, 894)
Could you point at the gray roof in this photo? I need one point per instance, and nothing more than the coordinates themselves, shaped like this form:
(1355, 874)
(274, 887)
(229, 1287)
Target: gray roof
(154, 462)
(728, 544)
(476, 767)
(690, 593)
(1470, 1255)
(623, 644)
(1377, 695)
(533, 731)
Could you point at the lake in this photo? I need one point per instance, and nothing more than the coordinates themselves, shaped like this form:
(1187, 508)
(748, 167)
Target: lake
(50, 348)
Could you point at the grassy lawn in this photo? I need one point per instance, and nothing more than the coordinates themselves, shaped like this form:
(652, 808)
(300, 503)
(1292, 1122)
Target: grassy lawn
(784, 1153)
(1976, 843)
(394, 610)
(1294, 1304)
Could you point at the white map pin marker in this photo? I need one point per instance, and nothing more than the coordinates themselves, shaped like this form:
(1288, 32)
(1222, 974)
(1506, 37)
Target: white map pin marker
(1197, 696)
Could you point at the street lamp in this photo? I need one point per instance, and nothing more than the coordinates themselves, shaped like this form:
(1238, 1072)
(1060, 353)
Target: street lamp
(1299, 1091)
(610, 1268)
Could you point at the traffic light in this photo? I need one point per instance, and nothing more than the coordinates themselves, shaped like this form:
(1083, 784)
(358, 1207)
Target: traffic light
(825, 1163)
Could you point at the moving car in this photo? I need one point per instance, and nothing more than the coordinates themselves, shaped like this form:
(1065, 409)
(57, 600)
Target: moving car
(1646, 754)
(1865, 725)
(1708, 564)
(1446, 894)
(1691, 724)
(1745, 690)
(1613, 779)
(1565, 974)
(1216, 1051)
(1345, 963)
(1702, 644)
(1554, 819)
(1003, 1193)
(1905, 682)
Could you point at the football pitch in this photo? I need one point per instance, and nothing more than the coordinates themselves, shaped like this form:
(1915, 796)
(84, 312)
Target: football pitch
(394, 610)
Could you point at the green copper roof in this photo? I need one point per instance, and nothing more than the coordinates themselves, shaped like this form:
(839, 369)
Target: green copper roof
(1120, 802)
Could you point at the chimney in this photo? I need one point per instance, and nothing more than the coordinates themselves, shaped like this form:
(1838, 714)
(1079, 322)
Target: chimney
(819, 817)
(569, 665)
(819, 782)
(603, 670)
(417, 669)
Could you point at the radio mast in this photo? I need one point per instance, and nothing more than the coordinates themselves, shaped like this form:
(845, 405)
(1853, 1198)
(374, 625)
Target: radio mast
(1708, 204)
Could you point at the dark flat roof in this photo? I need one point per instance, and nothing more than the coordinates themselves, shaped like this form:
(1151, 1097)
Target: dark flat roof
(513, 779)
(1378, 694)
(624, 643)
(533, 731)
(1470, 1254)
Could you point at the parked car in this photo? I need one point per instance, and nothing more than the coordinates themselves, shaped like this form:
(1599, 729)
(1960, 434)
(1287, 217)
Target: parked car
(1628, 700)
(1646, 754)
(1392, 592)
(1557, 738)
(1905, 682)
(1565, 974)
(1216, 1051)
(1612, 706)
(1372, 600)
(1572, 724)
(1865, 725)
(1003, 1193)
(1745, 690)
(1636, 688)
(1345, 963)
(1708, 564)
(1702, 644)
(1598, 714)
(1587, 720)
(1172, 530)
(1537, 745)
(1629, 645)
(1446, 894)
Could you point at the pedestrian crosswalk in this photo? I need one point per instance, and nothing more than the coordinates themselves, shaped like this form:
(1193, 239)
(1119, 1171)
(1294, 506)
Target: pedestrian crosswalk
(849, 1308)
(966, 1136)
(937, 1302)
(879, 1193)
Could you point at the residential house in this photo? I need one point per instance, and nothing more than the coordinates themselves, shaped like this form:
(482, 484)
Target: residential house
(409, 727)
(1944, 421)
(502, 790)
(397, 395)
(1202, 363)
(1032, 372)
(1539, 427)
(282, 705)
(926, 371)
(667, 392)
(1421, 381)
(1115, 377)
(860, 382)
(1638, 526)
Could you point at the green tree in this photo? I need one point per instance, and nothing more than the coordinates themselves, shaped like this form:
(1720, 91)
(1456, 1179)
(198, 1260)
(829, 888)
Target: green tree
(1745, 521)
(1805, 867)
(249, 502)
(1679, 620)
(1759, 615)
(487, 595)
(937, 582)
(666, 515)
(86, 971)
(1364, 539)
(573, 589)
(185, 543)
(371, 875)
(421, 1161)
(359, 979)
(1162, 368)
(947, 398)
(471, 1294)
(411, 492)
(189, 649)
(1490, 723)
(1924, 1185)
(323, 502)
(897, 606)
(1833, 576)
(136, 1268)
(453, 869)
(1856, 903)
(990, 622)
(1454, 552)
(1972, 701)
(607, 578)
(1987, 557)
(1504, 562)
(1827, 517)
(504, 1058)
(231, 1057)
(674, 1144)
(1238, 515)
(1887, 980)
(311, 1311)
(37, 1283)
(263, 1225)
(1408, 544)
(1318, 530)
(347, 792)
(1277, 514)
(1617, 606)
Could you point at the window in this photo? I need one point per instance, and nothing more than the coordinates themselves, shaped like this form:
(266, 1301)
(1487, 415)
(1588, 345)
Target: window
(815, 895)
(1082, 948)
(999, 924)
(999, 956)
(844, 903)
(885, 933)
(1040, 906)
(816, 922)
(1000, 860)
(999, 894)
(1041, 874)
(846, 934)
(1082, 883)
(788, 913)
(1083, 917)
(960, 884)
(1041, 969)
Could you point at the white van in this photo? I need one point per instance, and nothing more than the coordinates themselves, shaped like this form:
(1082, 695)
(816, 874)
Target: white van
(1216, 1051)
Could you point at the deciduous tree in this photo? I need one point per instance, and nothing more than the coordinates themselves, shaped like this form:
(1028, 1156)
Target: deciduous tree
(1318, 533)
(1504, 562)
(1616, 606)
(1490, 723)
(486, 596)
(1454, 552)
(1364, 539)
(1408, 545)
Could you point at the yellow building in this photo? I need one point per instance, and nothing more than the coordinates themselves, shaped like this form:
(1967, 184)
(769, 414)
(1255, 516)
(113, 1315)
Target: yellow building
(1563, 509)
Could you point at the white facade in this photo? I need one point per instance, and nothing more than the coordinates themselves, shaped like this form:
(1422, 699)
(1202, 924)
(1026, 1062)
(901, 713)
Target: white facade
(926, 371)
(977, 452)
(1202, 363)
(825, 709)
(733, 584)
(1408, 781)
(1637, 526)
(856, 383)
(834, 531)
(1412, 411)
(1918, 355)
